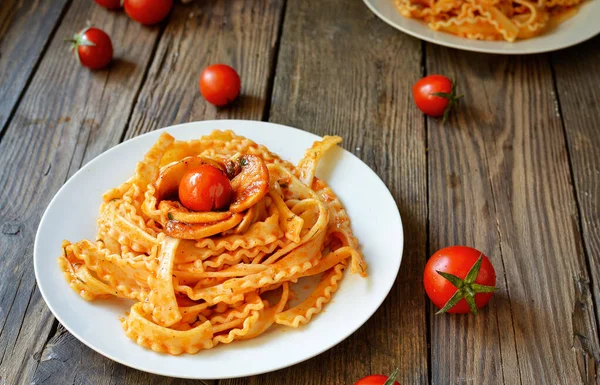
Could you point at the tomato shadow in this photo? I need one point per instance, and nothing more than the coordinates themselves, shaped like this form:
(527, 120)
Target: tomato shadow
(241, 106)
(121, 68)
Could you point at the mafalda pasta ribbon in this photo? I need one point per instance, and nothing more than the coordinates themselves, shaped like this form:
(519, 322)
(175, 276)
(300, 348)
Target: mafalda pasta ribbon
(490, 19)
(203, 278)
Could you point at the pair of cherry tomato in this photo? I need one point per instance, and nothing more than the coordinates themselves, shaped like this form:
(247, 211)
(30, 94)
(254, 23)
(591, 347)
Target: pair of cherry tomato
(93, 46)
(147, 12)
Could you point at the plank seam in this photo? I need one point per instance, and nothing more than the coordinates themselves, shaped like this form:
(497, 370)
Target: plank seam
(143, 81)
(6, 319)
(20, 374)
(87, 140)
(586, 252)
(273, 66)
(34, 69)
(24, 313)
(428, 315)
(51, 334)
(54, 326)
(512, 318)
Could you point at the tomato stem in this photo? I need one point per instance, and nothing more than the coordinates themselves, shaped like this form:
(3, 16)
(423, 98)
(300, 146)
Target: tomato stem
(453, 100)
(79, 39)
(392, 378)
(467, 288)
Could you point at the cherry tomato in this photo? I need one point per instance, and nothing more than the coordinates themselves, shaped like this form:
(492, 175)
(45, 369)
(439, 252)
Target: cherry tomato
(375, 379)
(205, 188)
(93, 48)
(435, 95)
(464, 267)
(109, 4)
(219, 84)
(148, 12)
(379, 379)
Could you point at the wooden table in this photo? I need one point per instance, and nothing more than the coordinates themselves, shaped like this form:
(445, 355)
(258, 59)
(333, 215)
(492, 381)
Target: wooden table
(515, 173)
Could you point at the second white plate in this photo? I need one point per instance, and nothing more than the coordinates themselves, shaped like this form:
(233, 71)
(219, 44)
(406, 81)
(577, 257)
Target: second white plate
(584, 25)
(72, 215)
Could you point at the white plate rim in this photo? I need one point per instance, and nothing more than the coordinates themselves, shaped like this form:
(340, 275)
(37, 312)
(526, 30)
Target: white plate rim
(216, 123)
(466, 47)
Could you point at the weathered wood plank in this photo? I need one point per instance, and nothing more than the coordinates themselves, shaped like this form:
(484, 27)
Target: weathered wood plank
(577, 81)
(25, 28)
(466, 349)
(342, 71)
(67, 115)
(499, 181)
(240, 33)
(65, 360)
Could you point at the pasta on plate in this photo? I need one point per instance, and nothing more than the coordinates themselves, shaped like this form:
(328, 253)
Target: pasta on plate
(507, 20)
(200, 279)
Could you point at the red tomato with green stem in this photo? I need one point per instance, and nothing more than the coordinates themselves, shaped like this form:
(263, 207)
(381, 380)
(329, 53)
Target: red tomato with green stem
(205, 188)
(148, 12)
(435, 95)
(459, 279)
(220, 84)
(379, 379)
(109, 4)
(92, 47)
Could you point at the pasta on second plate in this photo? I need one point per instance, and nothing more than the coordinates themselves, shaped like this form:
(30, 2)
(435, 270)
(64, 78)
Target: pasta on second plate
(490, 19)
(200, 279)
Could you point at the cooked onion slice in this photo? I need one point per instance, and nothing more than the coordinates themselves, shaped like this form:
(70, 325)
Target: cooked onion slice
(251, 184)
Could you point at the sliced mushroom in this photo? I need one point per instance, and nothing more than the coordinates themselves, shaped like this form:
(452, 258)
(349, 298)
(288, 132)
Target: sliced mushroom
(251, 184)
(184, 230)
(170, 176)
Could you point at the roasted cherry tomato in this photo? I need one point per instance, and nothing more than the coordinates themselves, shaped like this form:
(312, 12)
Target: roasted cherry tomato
(110, 4)
(205, 188)
(93, 48)
(435, 95)
(458, 279)
(379, 379)
(148, 12)
(219, 84)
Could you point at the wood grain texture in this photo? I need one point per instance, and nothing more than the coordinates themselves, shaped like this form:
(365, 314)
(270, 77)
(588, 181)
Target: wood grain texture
(67, 116)
(342, 71)
(500, 181)
(577, 81)
(240, 33)
(20, 50)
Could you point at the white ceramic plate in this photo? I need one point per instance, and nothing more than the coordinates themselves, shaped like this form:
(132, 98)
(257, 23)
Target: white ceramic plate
(584, 25)
(72, 215)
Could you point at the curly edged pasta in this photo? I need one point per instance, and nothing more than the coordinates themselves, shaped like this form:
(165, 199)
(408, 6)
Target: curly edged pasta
(200, 279)
(506, 20)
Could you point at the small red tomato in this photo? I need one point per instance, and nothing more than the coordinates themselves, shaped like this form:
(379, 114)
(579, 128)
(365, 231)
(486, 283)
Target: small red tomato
(93, 48)
(379, 379)
(219, 84)
(148, 12)
(435, 95)
(205, 188)
(458, 279)
(109, 4)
